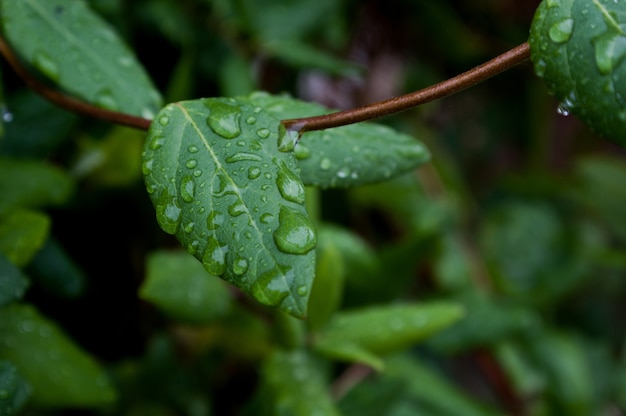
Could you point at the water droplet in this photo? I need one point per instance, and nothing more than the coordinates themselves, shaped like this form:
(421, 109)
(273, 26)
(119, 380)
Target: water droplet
(263, 133)
(214, 220)
(197, 173)
(237, 208)
(302, 290)
(254, 172)
(164, 120)
(267, 218)
(540, 68)
(168, 213)
(302, 152)
(189, 227)
(561, 31)
(191, 163)
(43, 62)
(290, 185)
(192, 149)
(146, 166)
(104, 99)
(214, 257)
(287, 139)
(325, 164)
(554, 3)
(610, 49)
(251, 120)
(240, 266)
(343, 173)
(565, 107)
(187, 188)
(156, 142)
(295, 233)
(273, 285)
(224, 119)
(7, 116)
(239, 157)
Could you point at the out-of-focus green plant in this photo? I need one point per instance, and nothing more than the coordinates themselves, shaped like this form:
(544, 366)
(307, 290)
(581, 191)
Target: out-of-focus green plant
(220, 240)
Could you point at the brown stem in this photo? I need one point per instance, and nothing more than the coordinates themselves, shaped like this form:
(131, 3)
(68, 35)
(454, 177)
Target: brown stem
(65, 101)
(446, 88)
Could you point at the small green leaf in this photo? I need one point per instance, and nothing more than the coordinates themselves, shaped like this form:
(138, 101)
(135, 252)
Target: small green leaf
(30, 184)
(178, 284)
(22, 234)
(77, 49)
(386, 329)
(13, 283)
(296, 386)
(14, 391)
(219, 183)
(60, 373)
(578, 47)
(346, 156)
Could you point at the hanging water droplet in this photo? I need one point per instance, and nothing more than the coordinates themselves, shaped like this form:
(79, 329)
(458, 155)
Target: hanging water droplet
(7, 116)
(302, 152)
(187, 188)
(289, 185)
(214, 220)
(295, 233)
(48, 66)
(214, 257)
(237, 208)
(240, 266)
(253, 172)
(223, 119)
(287, 139)
(325, 164)
(565, 107)
(241, 156)
(561, 31)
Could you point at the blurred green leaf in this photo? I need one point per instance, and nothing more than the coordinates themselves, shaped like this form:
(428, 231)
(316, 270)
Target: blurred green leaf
(78, 50)
(60, 373)
(385, 329)
(30, 184)
(222, 184)
(13, 283)
(22, 234)
(14, 391)
(178, 285)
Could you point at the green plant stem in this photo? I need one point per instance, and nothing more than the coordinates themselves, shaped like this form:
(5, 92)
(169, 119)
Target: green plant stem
(65, 101)
(443, 89)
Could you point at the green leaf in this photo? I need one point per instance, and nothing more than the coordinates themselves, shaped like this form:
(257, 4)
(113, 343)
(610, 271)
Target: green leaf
(29, 184)
(386, 329)
(578, 47)
(295, 385)
(178, 284)
(22, 234)
(78, 50)
(13, 283)
(346, 156)
(14, 390)
(60, 373)
(219, 183)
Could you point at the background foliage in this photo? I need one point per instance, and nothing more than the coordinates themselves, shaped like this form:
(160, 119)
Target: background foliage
(517, 220)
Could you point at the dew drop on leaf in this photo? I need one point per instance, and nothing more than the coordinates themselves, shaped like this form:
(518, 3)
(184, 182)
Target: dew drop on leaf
(104, 99)
(290, 186)
(214, 220)
(168, 213)
(191, 163)
(214, 257)
(325, 164)
(254, 172)
(223, 119)
(237, 208)
(295, 233)
(561, 31)
(164, 120)
(192, 149)
(240, 157)
(267, 218)
(302, 152)
(46, 65)
(263, 133)
(287, 139)
(187, 188)
(240, 266)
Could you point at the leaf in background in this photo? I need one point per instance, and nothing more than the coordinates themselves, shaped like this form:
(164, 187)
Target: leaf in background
(218, 181)
(78, 50)
(14, 391)
(346, 156)
(295, 385)
(60, 373)
(578, 47)
(178, 285)
(30, 184)
(385, 329)
(13, 283)
(53, 270)
(22, 234)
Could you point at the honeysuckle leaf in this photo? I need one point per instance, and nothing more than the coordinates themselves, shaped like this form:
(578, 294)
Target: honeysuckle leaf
(219, 182)
(78, 50)
(60, 373)
(578, 47)
(346, 156)
(384, 329)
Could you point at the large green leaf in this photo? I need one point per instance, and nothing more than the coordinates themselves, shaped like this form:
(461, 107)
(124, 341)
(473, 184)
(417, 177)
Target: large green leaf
(60, 373)
(578, 47)
(346, 156)
(78, 50)
(218, 181)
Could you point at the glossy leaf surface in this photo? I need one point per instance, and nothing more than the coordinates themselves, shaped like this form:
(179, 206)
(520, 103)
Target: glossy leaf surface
(346, 156)
(78, 50)
(60, 373)
(218, 181)
(578, 47)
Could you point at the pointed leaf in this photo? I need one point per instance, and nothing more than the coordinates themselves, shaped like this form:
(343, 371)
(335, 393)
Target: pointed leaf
(219, 183)
(346, 156)
(60, 373)
(579, 48)
(77, 49)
